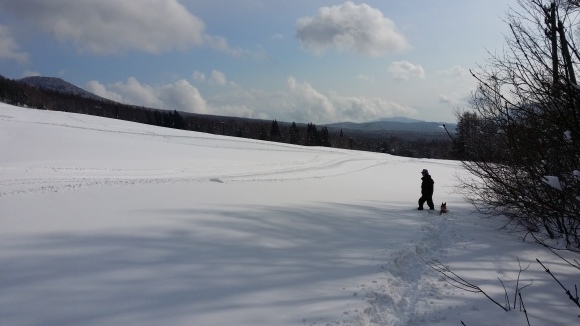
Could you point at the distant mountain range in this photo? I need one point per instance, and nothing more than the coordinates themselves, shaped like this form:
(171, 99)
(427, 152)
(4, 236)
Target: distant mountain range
(400, 119)
(398, 124)
(395, 124)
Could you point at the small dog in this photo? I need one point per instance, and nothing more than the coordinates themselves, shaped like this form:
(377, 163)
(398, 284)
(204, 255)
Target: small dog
(443, 208)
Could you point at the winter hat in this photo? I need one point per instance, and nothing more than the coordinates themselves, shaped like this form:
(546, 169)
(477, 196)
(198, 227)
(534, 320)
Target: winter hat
(425, 171)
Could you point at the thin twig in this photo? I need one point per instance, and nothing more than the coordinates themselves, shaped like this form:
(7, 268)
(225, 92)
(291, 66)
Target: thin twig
(524, 307)
(576, 300)
(576, 264)
(457, 281)
(518, 281)
(507, 298)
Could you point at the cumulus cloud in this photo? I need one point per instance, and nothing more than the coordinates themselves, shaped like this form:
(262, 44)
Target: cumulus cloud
(302, 102)
(112, 26)
(180, 95)
(220, 44)
(219, 77)
(456, 72)
(404, 70)
(199, 76)
(460, 86)
(351, 27)
(9, 49)
(216, 77)
(363, 109)
(277, 37)
(299, 101)
(101, 90)
(309, 104)
(307, 99)
(455, 99)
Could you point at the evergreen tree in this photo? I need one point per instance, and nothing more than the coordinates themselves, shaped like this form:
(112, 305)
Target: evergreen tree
(294, 134)
(178, 122)
(312, 135)
(467, 124)
(384, 147)
(324, 137)
(263, 134)
(275, 130)
(158, 118)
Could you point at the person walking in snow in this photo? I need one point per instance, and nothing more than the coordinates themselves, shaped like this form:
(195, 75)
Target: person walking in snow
(426, 191)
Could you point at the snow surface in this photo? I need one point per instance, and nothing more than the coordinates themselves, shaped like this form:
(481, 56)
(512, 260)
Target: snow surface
(106, 222)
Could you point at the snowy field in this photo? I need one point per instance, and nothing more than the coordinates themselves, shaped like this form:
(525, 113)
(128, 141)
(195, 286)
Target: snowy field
(106, 222)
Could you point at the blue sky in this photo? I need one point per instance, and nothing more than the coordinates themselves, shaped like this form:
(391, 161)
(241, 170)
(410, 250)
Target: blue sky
(301, 60)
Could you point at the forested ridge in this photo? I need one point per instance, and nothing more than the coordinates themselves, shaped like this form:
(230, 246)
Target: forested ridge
(396, 142)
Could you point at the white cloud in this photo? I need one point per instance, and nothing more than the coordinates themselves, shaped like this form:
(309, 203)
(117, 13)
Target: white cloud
(219, 77)
(299, 101)
(460, 86)
(101, 90)
(216, 77)
(357, 28)
(139, 94)
(404, 70)
(112, 26)
(365, 78)
(199, 76)
(455, 99)
(9, 48)
(220, 44)
(29, 73)
(309, 104)
(302, 102)
(180, 95)
(277, 37)
(363, 109)
(456, 72)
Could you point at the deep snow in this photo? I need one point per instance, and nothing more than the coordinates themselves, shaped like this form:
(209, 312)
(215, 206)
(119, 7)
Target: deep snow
(106, 222)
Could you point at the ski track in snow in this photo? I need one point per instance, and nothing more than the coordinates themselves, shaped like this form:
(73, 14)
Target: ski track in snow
(24, 180)
(20, 180)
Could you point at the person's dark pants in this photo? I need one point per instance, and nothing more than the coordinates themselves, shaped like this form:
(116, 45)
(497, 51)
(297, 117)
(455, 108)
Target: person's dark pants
(428, 199)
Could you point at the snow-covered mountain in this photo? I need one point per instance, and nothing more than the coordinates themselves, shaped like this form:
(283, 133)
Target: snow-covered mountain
(59, 85)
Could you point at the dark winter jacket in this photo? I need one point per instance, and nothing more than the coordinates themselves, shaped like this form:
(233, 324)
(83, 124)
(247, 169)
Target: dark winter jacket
(427, 185)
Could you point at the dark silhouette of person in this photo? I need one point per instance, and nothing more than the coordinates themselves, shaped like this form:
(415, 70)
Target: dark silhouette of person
(426, 191)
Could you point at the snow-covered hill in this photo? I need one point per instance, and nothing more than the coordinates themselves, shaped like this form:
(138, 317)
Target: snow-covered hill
(106, 222)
